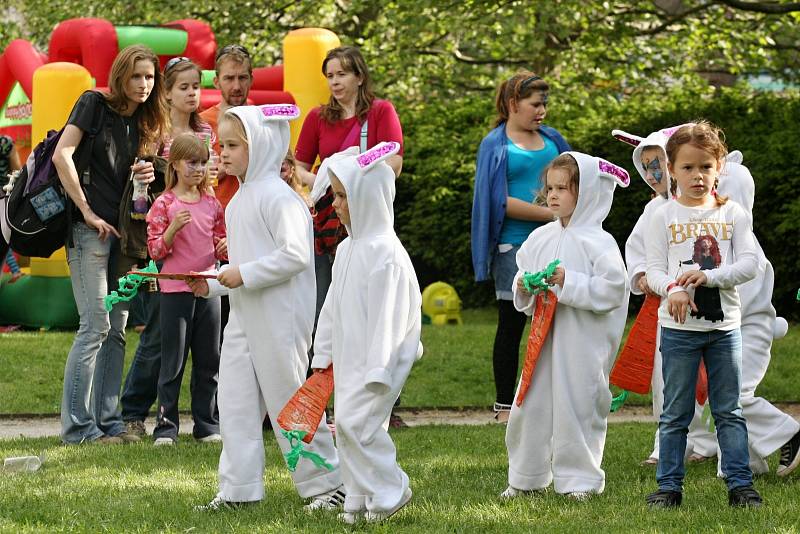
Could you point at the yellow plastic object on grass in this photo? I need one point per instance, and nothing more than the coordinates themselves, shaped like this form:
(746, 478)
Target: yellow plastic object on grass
(440, 303)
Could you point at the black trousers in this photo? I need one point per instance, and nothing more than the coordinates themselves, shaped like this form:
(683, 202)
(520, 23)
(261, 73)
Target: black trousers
(188, 322)
(505, 356)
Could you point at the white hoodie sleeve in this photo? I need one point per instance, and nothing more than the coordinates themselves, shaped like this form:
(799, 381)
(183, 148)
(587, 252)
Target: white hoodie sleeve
(522, 301)
(215, 289)
(388, 305)
(658, 255)
(288, 224)
(636, 250)
(323, 339)
(601, 291)
(745, 266)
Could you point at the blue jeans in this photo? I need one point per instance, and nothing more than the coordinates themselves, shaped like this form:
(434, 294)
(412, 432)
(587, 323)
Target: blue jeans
(721, 351)
(141, 384)
(93, 372)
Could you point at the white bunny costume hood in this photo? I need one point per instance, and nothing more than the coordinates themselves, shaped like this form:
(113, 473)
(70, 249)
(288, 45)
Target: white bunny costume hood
(558, 433)
(369, 328)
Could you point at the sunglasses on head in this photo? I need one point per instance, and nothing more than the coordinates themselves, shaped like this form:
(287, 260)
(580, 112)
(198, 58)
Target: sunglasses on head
(174, 61)
(227, 49)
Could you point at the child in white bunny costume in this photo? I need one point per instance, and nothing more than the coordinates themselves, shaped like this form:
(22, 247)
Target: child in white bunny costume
(264, 352)
(558, 433)
(369, 329)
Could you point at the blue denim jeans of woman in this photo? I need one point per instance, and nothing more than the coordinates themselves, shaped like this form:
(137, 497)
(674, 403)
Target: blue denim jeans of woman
(93, 372)
(681, 352)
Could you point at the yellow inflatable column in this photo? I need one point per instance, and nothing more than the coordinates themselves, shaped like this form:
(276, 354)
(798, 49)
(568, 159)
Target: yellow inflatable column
(56, 88)
(303, 52)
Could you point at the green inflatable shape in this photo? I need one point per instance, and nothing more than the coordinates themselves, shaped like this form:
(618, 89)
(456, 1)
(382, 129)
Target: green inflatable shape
(207, 79)
(38, 302)
(163, 41)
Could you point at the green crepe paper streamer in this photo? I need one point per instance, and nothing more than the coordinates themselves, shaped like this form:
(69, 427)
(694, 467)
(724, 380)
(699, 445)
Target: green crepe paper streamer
(619, 400)
(128, 287)
(536, 282)
(707, 418)
(798, 294)
(297, 451)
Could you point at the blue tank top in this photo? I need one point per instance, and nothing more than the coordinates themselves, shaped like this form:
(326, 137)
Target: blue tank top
(524, 182)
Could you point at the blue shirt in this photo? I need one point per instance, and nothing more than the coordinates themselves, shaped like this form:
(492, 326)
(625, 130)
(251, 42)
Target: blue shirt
(524, 177)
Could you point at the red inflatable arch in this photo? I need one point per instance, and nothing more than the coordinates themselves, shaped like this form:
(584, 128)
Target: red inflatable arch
(88, 42)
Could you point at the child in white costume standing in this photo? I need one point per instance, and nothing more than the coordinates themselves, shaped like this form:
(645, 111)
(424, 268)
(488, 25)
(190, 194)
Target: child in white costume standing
(369, 328)
(270, 282)
(559, 432)
(650, 160)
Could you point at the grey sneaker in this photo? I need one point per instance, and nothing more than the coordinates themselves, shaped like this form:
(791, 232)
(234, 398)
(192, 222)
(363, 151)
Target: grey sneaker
(327, 501)
(376, 517)
(218, 504)
(127, 437)
(136, 428)
(107, 440)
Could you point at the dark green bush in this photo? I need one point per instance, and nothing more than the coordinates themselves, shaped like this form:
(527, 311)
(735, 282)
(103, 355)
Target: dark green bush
(435, 191)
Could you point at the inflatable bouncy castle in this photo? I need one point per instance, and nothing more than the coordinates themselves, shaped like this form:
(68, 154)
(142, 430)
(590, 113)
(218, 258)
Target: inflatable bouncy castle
(37, 92)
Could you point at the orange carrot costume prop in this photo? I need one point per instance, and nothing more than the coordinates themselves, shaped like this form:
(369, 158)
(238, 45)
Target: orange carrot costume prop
(633, 369)
(304, 410)
(543, 312)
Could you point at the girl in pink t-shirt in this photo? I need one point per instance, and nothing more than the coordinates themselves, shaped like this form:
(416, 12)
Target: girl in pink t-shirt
(186, 229)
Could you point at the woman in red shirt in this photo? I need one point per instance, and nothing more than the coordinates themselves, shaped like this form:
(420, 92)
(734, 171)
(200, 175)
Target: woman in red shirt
(352, 117)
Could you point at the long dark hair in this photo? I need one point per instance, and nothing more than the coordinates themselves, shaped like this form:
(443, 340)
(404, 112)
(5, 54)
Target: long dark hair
(153, 118)
(519, 87)
(352, 61)
(171, 76)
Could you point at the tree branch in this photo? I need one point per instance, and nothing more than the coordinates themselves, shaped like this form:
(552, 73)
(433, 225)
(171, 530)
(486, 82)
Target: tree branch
(769, 7)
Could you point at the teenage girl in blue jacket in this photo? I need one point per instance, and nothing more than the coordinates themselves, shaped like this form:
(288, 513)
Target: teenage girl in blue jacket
(507, 178)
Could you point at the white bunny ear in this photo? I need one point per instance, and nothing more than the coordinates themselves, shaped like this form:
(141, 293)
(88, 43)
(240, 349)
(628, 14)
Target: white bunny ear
(607, 169)
(279, 112)
(379, 152)
(625, 137)
(735, 157)
(667, 132)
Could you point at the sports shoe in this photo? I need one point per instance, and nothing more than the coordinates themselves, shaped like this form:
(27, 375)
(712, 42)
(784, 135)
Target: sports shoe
(697, 458)
(395, 421)
(580, 496)
(135, 428)
(790, 456)
(649, 461)
(665, 499)
(511, 492)
(211, 438)
(375, 517)
(327, 501)
(351, 518)
(744, 497)
(128, 438)
(107, 440)
(163, 442)
(218, 504)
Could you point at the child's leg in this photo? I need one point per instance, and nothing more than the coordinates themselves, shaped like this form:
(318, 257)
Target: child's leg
(723, 359)
(177, 310)
(657, 387)
(581, 404)
(373, 479)
(241, 411)
(280, 371)
(767, 427)
(205, 366)
(680, 359)
(529, 436)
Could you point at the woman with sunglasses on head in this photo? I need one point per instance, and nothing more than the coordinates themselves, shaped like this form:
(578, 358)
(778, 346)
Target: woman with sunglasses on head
(134, 119)
(182, 89)
(504, 212)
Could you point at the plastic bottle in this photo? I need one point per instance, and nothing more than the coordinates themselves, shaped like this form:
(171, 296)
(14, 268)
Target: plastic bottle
(140, 202)
(22, 464)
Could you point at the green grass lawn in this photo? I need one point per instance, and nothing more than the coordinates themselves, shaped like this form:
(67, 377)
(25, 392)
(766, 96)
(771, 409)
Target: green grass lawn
(456, 474)
(456, 370)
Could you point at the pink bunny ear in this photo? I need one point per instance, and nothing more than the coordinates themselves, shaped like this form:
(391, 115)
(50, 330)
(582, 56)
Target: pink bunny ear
(379, 152)
(625, 137)
(279, 112)
(667, 132)
(615, 172)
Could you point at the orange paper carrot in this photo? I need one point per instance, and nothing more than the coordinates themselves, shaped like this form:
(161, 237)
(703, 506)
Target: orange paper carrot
(701, 391)
(304, 410)
(543, 312)
(633, 369)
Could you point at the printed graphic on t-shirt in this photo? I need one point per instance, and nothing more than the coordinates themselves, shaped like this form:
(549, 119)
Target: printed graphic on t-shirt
(706, 256)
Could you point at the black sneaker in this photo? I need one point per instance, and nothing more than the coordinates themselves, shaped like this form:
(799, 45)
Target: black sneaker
(790, 456)
(665, 499)
(744, 497)
(219, 505)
